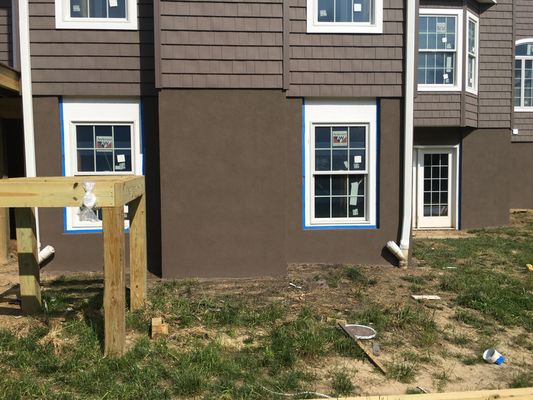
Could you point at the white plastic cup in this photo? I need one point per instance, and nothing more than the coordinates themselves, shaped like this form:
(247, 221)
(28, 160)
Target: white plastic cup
(492, 356)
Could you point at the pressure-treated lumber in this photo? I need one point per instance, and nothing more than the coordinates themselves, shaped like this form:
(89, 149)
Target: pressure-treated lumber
(30, 290)
(114, 281)
(4, 212)
(373, 359)
(110, 191)
(500, 394)
(9, 78)
(137, 213)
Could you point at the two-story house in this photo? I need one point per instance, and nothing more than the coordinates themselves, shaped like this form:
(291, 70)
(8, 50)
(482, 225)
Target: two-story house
(275, 131)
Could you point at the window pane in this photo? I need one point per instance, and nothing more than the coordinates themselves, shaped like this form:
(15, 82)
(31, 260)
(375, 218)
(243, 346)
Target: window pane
(104, 160)
(104, 136)
(325, 10)
(322, 207)
(339, 207)
(123, 160)
(356, 207)
(117, 8)
(122, 136)
(322, 137)
(518, 82)
(85, 161)
(322, 185)
(357, 137)
(362, 11)
(84, 137)
(340, 160)
(471, 36)
(525, 49)
(339, 185)
(343, 11)
(98, 8)
(323, 160)
(78, 8)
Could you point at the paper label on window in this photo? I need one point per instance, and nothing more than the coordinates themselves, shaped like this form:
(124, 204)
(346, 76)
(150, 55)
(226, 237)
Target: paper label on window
(357, 159)
(76, 8)
(445, 77)
(441, 27)
(449, 61)
(354, 189)
(323, 13)
(340, 139)
(121, 158)
(444, 40)
(355, 212)
(104, 142)
(356, 7)
(120, 167)
(113, 3)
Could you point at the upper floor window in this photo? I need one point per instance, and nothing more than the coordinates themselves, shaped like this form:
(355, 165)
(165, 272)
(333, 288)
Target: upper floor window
(345, 16)
(439, 51)
(96, 14)
(472, 53)
(523, 79)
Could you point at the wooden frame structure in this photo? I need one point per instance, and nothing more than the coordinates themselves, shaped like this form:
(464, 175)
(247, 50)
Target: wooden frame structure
(112, 193)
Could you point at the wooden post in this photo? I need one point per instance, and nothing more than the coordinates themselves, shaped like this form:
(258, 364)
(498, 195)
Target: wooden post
(137, 212)
(4, 212)
(30, 290)
(114, 281)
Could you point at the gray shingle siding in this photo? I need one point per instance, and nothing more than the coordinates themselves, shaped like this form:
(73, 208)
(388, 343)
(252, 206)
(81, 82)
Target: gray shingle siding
(6, 53)
(523, 15)
(221, 44)
(352, 65)
(87, 62)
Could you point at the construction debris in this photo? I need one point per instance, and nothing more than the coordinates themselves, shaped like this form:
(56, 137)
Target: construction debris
(350, 332)
(529, 267)
(159, 328)
(425, 297)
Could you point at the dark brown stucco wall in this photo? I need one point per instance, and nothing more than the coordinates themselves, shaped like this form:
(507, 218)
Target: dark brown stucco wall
(222, 181)
(349, 245)
(82, 251)
(521, 175)
(484, 181)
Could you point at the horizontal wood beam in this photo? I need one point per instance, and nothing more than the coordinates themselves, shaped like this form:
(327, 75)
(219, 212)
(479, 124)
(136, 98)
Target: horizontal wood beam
(9, 78)
(500, 394)
(110, 191)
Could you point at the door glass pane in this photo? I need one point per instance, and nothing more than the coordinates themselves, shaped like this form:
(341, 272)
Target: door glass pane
(435, 193)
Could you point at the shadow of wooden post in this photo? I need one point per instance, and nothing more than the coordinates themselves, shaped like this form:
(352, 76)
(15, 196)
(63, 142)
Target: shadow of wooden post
(30, 289)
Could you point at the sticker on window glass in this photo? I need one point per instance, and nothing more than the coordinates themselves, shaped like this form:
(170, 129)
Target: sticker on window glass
(444, 39)
(323, 13)
(104, 142)
(113, 3)
(441, 27)
(356, 7)
(357, 159)
(121, 158)
(76, 8)
(340, 139)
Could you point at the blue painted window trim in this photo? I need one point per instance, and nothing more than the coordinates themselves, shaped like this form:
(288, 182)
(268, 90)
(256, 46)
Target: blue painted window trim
(63, 165)
(304, 181)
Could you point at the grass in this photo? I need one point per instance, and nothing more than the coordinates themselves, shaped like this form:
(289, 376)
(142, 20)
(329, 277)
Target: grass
(342, 384)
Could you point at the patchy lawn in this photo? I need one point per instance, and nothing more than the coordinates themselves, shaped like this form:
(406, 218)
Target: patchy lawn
(262, 338)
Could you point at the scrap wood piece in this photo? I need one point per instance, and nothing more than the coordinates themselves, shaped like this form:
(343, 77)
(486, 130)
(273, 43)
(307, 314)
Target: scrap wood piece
(368, 353)
(425, 297)
(500, 394)
(159, 328)
(529, 267)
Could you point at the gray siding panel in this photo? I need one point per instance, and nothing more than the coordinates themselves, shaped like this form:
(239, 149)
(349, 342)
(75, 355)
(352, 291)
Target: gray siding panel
(6, 34)
(352, 65)
(86, 62)
(523, 16)
(496, 66)
(436, 109)
(471, 110)
(221, 44)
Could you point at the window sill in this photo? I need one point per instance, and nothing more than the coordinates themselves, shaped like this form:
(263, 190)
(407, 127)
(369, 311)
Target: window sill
(523, 109)
(339, 226)
(97, 24)
(344, 28)
(438, 88)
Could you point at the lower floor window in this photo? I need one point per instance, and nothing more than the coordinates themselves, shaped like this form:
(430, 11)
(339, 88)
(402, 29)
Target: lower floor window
(101, 137)
(340, 163)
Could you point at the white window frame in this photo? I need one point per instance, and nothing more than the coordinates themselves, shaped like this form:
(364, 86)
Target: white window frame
(97, 111)
(313, 26)
(522, 108)
(65, 21)
(459, 38)
(474, 88)
(340, 112)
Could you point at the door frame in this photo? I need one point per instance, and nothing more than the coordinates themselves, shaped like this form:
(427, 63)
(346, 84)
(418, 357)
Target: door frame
(454, 185)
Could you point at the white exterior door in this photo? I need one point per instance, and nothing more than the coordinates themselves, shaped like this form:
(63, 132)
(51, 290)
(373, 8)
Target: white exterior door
(436, 187)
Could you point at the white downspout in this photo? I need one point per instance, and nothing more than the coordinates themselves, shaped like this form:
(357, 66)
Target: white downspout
(402, 251)
(27, 97)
